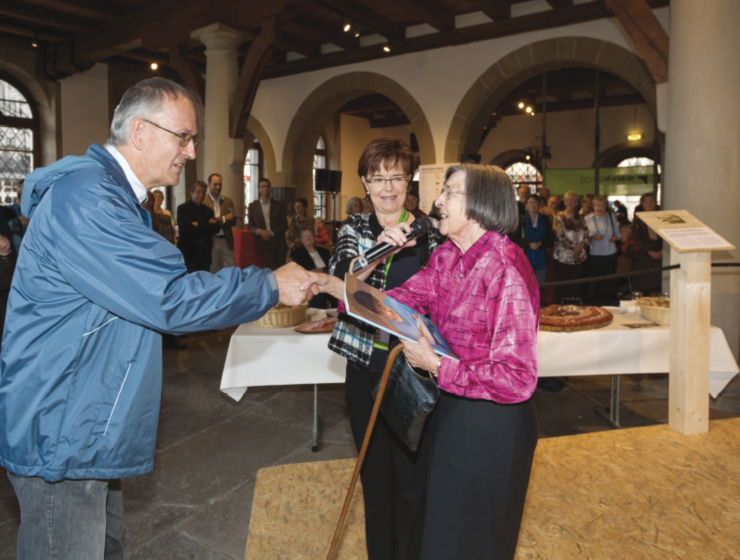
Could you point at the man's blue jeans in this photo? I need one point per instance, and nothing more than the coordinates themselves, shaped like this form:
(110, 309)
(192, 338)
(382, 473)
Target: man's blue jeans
(69, 520)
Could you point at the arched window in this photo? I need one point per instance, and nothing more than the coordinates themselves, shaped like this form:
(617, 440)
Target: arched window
(19, 136)
(319, 162)
(253, 171)
(632, 201)
(524, 173)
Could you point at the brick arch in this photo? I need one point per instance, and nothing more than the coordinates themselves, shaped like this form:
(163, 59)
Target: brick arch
(322, 104)
(490, 89)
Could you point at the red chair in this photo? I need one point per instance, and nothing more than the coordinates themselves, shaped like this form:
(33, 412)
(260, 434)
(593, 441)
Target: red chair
(245, 254)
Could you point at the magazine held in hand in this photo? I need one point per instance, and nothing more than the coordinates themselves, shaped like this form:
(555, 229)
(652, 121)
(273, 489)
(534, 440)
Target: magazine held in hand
(368, 304)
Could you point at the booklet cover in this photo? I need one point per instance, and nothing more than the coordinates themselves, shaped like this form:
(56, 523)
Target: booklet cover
(372, 306)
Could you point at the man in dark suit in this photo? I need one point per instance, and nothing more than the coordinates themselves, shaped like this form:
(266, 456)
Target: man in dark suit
(268, 221)
(197, 226)
(223, 209)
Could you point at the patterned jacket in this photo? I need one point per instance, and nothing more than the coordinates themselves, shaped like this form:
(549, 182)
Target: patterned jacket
(352, 338)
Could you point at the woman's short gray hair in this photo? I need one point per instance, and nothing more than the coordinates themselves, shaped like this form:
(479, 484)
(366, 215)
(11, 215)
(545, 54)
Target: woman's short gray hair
(145, 100)
(490, 198)
(350, 203)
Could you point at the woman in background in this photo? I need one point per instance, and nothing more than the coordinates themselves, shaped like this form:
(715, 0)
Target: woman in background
(569, 254)
(354, 206)
(604, 233)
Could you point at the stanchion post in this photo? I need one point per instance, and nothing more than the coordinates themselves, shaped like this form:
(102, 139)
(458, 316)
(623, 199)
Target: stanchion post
(688, 389)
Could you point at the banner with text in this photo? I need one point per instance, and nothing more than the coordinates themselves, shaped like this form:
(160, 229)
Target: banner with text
(613, 181)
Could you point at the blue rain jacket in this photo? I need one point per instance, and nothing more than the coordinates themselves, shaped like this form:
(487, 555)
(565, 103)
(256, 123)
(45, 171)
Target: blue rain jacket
(81, 362)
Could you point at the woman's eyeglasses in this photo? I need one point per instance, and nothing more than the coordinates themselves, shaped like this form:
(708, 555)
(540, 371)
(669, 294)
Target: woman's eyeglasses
(184, 137)
(448, 192)
(398, 181)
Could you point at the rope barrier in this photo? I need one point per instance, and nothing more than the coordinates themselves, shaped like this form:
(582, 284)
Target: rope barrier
(626, 275)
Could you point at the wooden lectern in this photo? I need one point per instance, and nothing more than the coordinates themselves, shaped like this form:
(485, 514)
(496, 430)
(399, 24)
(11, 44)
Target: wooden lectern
(691, 244)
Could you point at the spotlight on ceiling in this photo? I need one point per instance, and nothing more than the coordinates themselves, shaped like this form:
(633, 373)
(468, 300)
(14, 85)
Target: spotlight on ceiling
(521, 105)
(346, 24)
(35, 42)
(154, 65)
(528, 109)
(633, 137)
(357, 33)
(387, 48)
(526, 157)
(532, 113)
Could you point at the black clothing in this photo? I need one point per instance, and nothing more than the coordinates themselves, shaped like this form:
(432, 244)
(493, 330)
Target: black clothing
(300, 256)
(393, 478)
(196, 242)
(568, 272)
(275, 249)
(602, 292)
(481, 520)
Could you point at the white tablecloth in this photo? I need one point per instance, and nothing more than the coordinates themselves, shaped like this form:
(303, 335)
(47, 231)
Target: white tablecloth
(259, 357)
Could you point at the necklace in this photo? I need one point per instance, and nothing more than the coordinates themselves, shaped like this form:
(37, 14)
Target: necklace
(596, 224)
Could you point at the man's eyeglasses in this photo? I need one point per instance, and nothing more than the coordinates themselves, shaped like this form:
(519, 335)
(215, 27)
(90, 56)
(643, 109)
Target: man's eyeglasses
(397, 181)
(184, 137)
(448, 192)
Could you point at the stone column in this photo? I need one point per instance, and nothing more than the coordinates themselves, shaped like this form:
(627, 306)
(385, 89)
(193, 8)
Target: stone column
(702, 171)
(222, 154)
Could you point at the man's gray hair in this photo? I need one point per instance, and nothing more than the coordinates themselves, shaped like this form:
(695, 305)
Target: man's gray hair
(145, 100)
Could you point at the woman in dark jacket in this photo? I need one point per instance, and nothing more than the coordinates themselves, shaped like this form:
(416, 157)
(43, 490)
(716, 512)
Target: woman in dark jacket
(535, 237)
(647, 250)
(313, 258)
(393, 478)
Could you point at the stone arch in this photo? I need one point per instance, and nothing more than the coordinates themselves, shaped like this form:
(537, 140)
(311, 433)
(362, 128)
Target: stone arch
(321, 105)
(619, 152)
(526, 62)
(46, 109)
(256, 130)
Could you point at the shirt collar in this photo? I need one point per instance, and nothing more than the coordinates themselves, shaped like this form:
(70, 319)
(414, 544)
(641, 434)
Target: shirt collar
(470, 257)
(138, 186)
(214, 200)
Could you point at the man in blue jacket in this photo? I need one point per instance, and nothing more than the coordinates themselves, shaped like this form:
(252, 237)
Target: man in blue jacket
(81, 363)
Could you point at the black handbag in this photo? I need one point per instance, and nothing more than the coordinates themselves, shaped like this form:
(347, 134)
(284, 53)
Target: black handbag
(410, 396)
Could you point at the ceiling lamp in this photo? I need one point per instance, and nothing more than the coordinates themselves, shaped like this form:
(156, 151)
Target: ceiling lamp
(528, 109)
(634, 137)
(521, 104)
(35, 42)
(386, 48)
(526, 157)
(357, 33)
(346, 24)
(154, 65)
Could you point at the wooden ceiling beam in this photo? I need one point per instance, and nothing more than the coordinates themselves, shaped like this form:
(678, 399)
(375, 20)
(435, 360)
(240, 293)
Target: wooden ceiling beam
(558, 4)
(645, 31)
(367, 17)
(251, 74)
(433, 14)
(56, 20)
(369, 103)
(387, 123)
(315, 30)
(93, 9)
(188, 70)
(306, 47)
(549, 19)
(30, 33)
(497, 10)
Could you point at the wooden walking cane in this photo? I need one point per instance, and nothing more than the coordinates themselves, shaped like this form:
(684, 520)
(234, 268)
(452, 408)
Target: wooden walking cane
(378, 399)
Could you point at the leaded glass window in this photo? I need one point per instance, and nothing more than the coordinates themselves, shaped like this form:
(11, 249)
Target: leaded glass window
(523, 173)
(17, 126)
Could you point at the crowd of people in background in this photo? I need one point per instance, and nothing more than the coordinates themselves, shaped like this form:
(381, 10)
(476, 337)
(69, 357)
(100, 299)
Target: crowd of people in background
(574, 237)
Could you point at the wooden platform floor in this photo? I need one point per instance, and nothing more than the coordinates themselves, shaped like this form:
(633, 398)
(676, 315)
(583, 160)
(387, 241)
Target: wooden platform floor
(629, 494)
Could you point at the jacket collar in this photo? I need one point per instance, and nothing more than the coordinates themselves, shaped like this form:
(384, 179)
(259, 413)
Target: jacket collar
(110, 164)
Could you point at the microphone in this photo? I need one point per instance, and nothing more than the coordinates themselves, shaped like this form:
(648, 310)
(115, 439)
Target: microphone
(418, 228)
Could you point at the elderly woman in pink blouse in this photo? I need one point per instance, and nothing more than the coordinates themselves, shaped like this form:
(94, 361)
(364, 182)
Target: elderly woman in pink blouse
(481, 292)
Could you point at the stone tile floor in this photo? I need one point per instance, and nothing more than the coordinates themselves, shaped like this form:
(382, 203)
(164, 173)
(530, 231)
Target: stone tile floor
(197, 501)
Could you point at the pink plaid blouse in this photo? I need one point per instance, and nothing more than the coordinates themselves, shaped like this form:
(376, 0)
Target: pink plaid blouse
(486, 305)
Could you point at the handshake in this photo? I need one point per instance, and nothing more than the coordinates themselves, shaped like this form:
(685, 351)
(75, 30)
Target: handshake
(297, 285)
